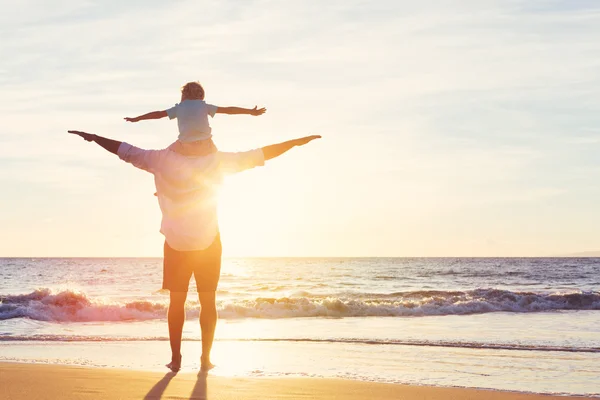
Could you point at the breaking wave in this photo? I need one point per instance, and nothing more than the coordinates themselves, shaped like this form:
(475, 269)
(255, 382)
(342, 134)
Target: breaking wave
(67, 305)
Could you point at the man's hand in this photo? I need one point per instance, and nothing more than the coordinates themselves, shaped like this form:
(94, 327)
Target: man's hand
(257, 111)
(129, 119)
(275, 150)
(305, 140)
(108, 144)
(86, 136)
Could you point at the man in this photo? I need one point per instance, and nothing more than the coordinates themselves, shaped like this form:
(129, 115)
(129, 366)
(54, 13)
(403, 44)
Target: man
(186, 190)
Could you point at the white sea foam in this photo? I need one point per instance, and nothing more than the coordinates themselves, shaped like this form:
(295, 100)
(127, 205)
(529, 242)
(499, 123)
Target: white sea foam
(68, 305)
(389, 342)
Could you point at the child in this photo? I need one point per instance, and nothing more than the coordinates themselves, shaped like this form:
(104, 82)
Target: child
(192, 113)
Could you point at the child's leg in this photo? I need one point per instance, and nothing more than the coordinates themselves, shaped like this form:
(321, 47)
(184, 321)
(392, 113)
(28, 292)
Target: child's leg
(197, 148)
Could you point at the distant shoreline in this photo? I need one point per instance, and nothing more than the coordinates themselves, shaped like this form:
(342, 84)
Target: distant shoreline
(583, 254)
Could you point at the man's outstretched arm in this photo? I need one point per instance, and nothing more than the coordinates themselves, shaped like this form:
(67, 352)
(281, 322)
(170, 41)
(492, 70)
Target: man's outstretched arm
(140, 158)
(231, 163)
(275, 150)
(108, 144)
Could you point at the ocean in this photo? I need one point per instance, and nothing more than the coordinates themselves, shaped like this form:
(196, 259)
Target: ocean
(518, 324)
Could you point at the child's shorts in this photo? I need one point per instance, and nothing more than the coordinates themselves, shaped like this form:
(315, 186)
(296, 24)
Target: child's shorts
(197, 148)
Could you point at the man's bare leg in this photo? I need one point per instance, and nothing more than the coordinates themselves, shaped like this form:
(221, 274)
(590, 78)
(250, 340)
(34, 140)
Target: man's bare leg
(176, 317)
(208, 323)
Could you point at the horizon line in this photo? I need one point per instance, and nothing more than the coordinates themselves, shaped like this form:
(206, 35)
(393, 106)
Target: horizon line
(571, 255)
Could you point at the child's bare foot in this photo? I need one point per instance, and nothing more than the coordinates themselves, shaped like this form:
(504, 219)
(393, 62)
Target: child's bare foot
(175, 364)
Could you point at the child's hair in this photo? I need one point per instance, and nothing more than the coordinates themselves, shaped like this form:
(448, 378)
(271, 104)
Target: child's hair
(192, 91)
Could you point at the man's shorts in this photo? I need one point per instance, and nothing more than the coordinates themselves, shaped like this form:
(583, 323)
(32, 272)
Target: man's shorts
(178, 267)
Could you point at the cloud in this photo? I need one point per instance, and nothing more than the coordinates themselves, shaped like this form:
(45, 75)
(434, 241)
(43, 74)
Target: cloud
(441, 107)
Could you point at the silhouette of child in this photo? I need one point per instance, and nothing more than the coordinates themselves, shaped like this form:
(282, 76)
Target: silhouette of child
(195, 137)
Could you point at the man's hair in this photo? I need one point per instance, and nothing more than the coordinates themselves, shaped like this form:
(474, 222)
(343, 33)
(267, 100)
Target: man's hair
(192, 91)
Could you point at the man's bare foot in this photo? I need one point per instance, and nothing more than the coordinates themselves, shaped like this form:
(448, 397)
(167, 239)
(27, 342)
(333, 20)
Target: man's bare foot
(175, 364)
(206, 365)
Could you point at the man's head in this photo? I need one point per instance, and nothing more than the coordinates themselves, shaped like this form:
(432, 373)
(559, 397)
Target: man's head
(192, 91)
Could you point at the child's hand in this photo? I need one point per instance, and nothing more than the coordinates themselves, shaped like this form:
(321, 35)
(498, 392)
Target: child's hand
(256, 111)
(128, 119)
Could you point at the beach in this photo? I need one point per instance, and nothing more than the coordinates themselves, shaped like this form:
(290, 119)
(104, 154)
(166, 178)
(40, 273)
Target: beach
(505, 325)
(375, 200)
(29, 381)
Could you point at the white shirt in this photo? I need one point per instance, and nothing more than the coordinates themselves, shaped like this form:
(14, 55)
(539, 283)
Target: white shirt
(187, 190)
(192, 119)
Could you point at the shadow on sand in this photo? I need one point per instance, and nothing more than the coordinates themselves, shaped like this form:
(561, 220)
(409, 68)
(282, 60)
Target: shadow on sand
(199, 392)
(159, 388)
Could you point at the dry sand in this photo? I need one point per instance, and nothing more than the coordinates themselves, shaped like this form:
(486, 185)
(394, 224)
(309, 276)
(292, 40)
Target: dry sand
(36, 381)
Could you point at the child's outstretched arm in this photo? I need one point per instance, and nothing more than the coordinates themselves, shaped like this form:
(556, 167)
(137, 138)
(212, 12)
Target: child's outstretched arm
(239, 110)
(150, 115)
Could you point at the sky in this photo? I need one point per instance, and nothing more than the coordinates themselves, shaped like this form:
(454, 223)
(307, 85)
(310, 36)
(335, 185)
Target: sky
(450, 128)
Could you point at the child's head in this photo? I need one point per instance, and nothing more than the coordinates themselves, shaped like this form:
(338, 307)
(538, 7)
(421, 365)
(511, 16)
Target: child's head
(192, 91)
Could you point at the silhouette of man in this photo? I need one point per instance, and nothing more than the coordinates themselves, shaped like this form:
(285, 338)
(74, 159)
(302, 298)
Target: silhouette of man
(186, 189)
